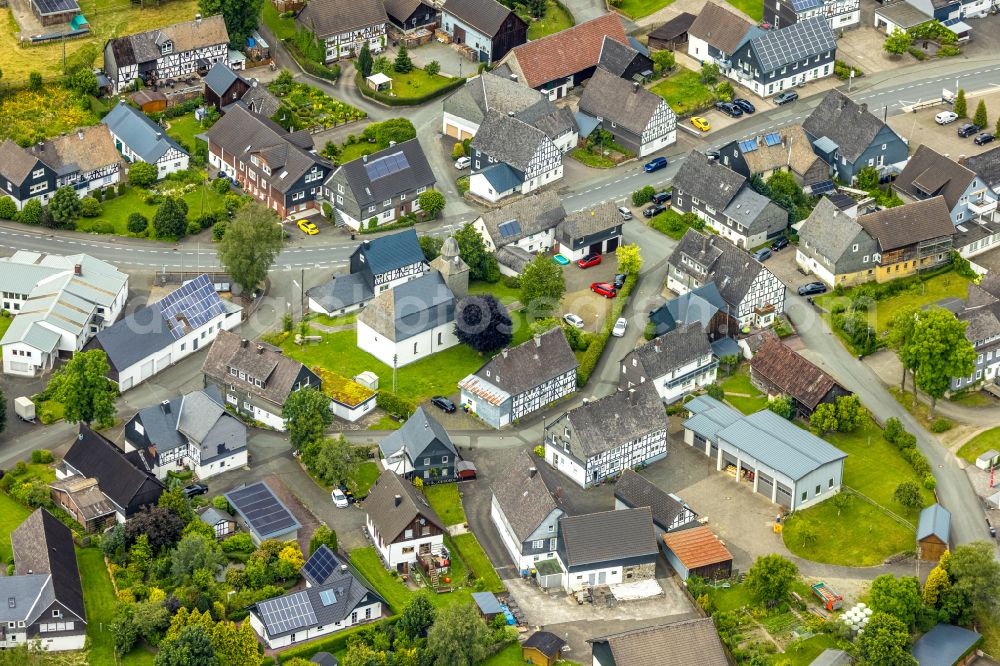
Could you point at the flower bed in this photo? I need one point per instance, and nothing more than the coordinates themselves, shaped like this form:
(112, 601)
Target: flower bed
(306, 107)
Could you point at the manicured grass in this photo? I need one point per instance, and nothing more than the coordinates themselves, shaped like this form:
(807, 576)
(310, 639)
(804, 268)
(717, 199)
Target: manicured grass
(5, 322)
(972, 398)
(102, 604)
(445, 500)
(505, 294)
(990, 629)
(919, 409)
(437, 374)
(49, 411)
(184, 128)
(862, 535)
(556, 19)
(670, 223)
(386, 423)
(752, 8)
(326, 320)
(980, 444)
(12, 514)
(392, 589)
(116, 211)
(753, 401)
(364, 477)
(729, 599)
(511, 656)
(351, 152)
(521, 327)
(417, 83)
(684, 91)
(592, 160)
(283, 28)
(802, 653)
(475, 557)
(638, 8)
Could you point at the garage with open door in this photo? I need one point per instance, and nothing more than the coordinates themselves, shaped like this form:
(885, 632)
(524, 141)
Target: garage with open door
(612, 244)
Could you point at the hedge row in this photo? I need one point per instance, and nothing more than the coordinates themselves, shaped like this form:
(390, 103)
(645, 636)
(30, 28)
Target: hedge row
(600, 340)
(389, 100)
(311, 66)
(333, 645)
(906, 442)
(402, 224)
(395, 405)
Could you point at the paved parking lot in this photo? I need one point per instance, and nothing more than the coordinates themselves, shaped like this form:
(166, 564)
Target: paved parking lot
(782, 264)
(580, 300)
(920, 129)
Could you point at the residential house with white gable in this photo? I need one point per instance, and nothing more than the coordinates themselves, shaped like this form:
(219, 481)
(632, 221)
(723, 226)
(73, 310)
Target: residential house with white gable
(929, 174)
(344, 26)
(525, 512)
(517, 231)
(141, 140)
(676, 363)
(639, 120)
(510, 156)
(401, 522)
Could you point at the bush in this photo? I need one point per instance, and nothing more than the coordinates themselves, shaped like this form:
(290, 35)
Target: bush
(41, 456)
(207, 220)
(219, 230)
(90, 207)
(917, 53)
(511, 281)
(930, 483)
(941, 425)
(457, 151)
(715, 391)
(643, 195)
(221, 185)
(193, 227)
(103, 228)
(949, 51)
(394, 405)
(8, 209)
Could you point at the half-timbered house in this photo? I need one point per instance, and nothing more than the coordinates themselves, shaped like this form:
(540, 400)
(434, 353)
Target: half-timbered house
(510, 156)
(420, 449)
(408, 15)
(677, 363)
(838, 13)
(170, 52)
(345, 25)
(639, 120)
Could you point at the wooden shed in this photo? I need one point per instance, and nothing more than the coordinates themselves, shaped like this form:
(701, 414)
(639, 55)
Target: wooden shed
(487, 605)
(150, 101)
(697, 552)
(542, 648)
(933, 532)
(672, 34)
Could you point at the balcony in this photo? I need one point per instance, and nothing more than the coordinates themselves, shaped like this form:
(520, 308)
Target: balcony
(982, 206)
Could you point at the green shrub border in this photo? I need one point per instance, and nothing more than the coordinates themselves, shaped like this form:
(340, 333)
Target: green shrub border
(312, 67)
(334, 644)
(388, 100)
(600, 339)
(394, 405)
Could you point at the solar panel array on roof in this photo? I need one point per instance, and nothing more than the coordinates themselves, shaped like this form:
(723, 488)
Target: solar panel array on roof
(951, 21)
(328, 597)
(321, 565)
(191, 305)
(262, 509)
(805, 5)
(748, 146)
(793, 43)
(386, 166)
(57, 6)
(772, 139)
(821, 187)
(283, 614)
(509, 228)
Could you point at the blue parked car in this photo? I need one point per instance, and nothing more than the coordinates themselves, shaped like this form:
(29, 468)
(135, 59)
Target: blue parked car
(655, 164)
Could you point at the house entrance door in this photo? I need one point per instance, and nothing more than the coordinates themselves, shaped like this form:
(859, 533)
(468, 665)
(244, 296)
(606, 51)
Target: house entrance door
(602, 578)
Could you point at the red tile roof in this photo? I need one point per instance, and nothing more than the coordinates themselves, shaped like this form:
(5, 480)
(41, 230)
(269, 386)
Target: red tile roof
(568, 51)
(697, 547)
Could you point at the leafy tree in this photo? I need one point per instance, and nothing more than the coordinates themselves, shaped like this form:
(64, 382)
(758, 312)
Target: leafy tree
(665, 59)
(332, 460)
(899, 597)
(35, 81)
(886, 642)
(31, 212)
(643, 195)
(482, 323)
(782, 405)
(960, 106)
(123, 630)
(323, 535)
(193, 647)
(8, 209)
(365, 60)
(431, 245)
(381, 65)
(850, 412)
(629, 259)
(64, 207)
(308, 414)
(901, 327)
(292, 556)
(84, 81)
(90, 207)
(841, 501)
(170, 219)
(137, 223)
(252, 242)
(867, 179)
(980, 118)
(955, 606)
(770, 578)
(402, 64)
(142, 174)
(715, 391)
(709, 73)
(996, 128)
(84, 389)
(113, 542)
(897, 42)
(472, 249)
(725, 91)
(942, 352)
(151, 618)
(236, 645)
(175, 500)
(542, 286)
(458, 637)
(394, 129)
(418, 616)
(160, 525)
(240, 16)
(937, 584)
(140, 555)
(907, 493)
(824, 418)
(431, 202)
(975, 572)
(433, 68)
(192, 553)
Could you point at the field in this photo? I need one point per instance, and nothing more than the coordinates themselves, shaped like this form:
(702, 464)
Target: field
(28, 116)
(684, 92)
(555, 20)
(862, 534)
(107, 18)
(670, 223)
(749, 399)
(979, 445)
(636, 9)
(592, 160)
(116, 211)
(99, 598)
(504, 294)
(416, 84)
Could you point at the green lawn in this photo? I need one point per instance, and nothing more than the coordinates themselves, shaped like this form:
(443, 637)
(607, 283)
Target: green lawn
(364, 477)
(972, 398)
(505, 294)
(556, 19)
(283, 28)
(417, 83)
(327, 320)
(980, 444)
(392, 589)
(12, 514)
(184, 128)
(474, 555)
(684, 91)
(511, 656)
(99, 598)
(946, 285)
(739, 382)
(729, 599)
(114, 218)
(862, 535)
(5, 321)
(49, 411)
(752, 8)
(445, 500)
(592, 160)
(386, 423)
(802, 653)
(638, 8)
(670, 223)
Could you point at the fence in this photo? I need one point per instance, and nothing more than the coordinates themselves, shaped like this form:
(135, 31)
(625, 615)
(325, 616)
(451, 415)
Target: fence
(895, 516)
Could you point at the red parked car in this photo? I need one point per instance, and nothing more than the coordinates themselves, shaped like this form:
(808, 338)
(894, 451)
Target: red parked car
(604, 289)
(589, 260)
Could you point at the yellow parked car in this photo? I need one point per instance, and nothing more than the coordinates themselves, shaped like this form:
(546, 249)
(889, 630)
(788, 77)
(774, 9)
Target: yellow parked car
(700, 123)
(308, 227)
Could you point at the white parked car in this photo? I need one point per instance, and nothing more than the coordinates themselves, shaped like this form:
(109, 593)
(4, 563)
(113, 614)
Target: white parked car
(339, 499)
(573, 320)
(619, 329)
(945, 117)
(462, 163)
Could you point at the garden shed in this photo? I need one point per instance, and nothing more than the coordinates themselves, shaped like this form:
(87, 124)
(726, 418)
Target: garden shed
(549, 573)
(946, 645)
(933, 532)
(487, 604)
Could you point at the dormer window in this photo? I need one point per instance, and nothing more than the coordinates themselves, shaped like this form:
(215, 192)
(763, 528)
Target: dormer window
(232, 371)
(266, 169)
(167, 47)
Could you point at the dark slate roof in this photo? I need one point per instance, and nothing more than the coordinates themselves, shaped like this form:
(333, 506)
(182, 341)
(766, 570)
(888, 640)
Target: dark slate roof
(636, 491)
(944, 644)
(698, 305)
(220, 77)
(618, 418)
(487, 16)
(265, 514)
(534, 213)
(545, 642)
(489, 91)
(589, 221)
(803, 39)
(708, 180)
(15, 162)
(259, 100)
(324, 659)
(43, 545)
(502, 177)
(831, 234)
(258, 360)
(791, 372)
(985, 165)
(929, 174)
(508, 140)
(386, 174)
(673, 28)
(614, 99)
(402, 9)
(523, 495)
(389, 518)
(144, 137)
(615, 56)
(848, 124)
(411, 308)
(514, 257)
(720, 27)
(387, 253)
(672, 350)
(196, 419)
(733, 269)
(529, 364)
(333, 17)
(341, 291)
(608, 536)
(910, 223)
(419, 432)
(675, 644)
(125, 483)
(143, 47)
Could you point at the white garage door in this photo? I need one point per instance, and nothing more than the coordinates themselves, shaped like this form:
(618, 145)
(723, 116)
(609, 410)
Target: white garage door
(146, 370)
(162, 362)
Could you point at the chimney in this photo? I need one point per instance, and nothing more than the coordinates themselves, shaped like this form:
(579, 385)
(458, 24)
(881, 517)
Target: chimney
(367, 244)
(631, 397)
(392, 143)
(159, 135)
(397, 500)
(513, 77)
(77, 269)
(165, 406)
(510, 113)
(635, 86)
(656, 345)
(538, 340)
(504, 352)
(343, 568)
(260, 349)
(364, 158)
(244, 342)
(532, 471)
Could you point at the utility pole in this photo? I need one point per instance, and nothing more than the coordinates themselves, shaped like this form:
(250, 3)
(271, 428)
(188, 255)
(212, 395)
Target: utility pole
(302, 294)
(395, 358)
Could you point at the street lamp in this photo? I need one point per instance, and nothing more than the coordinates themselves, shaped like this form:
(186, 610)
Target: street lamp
(395, 359)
